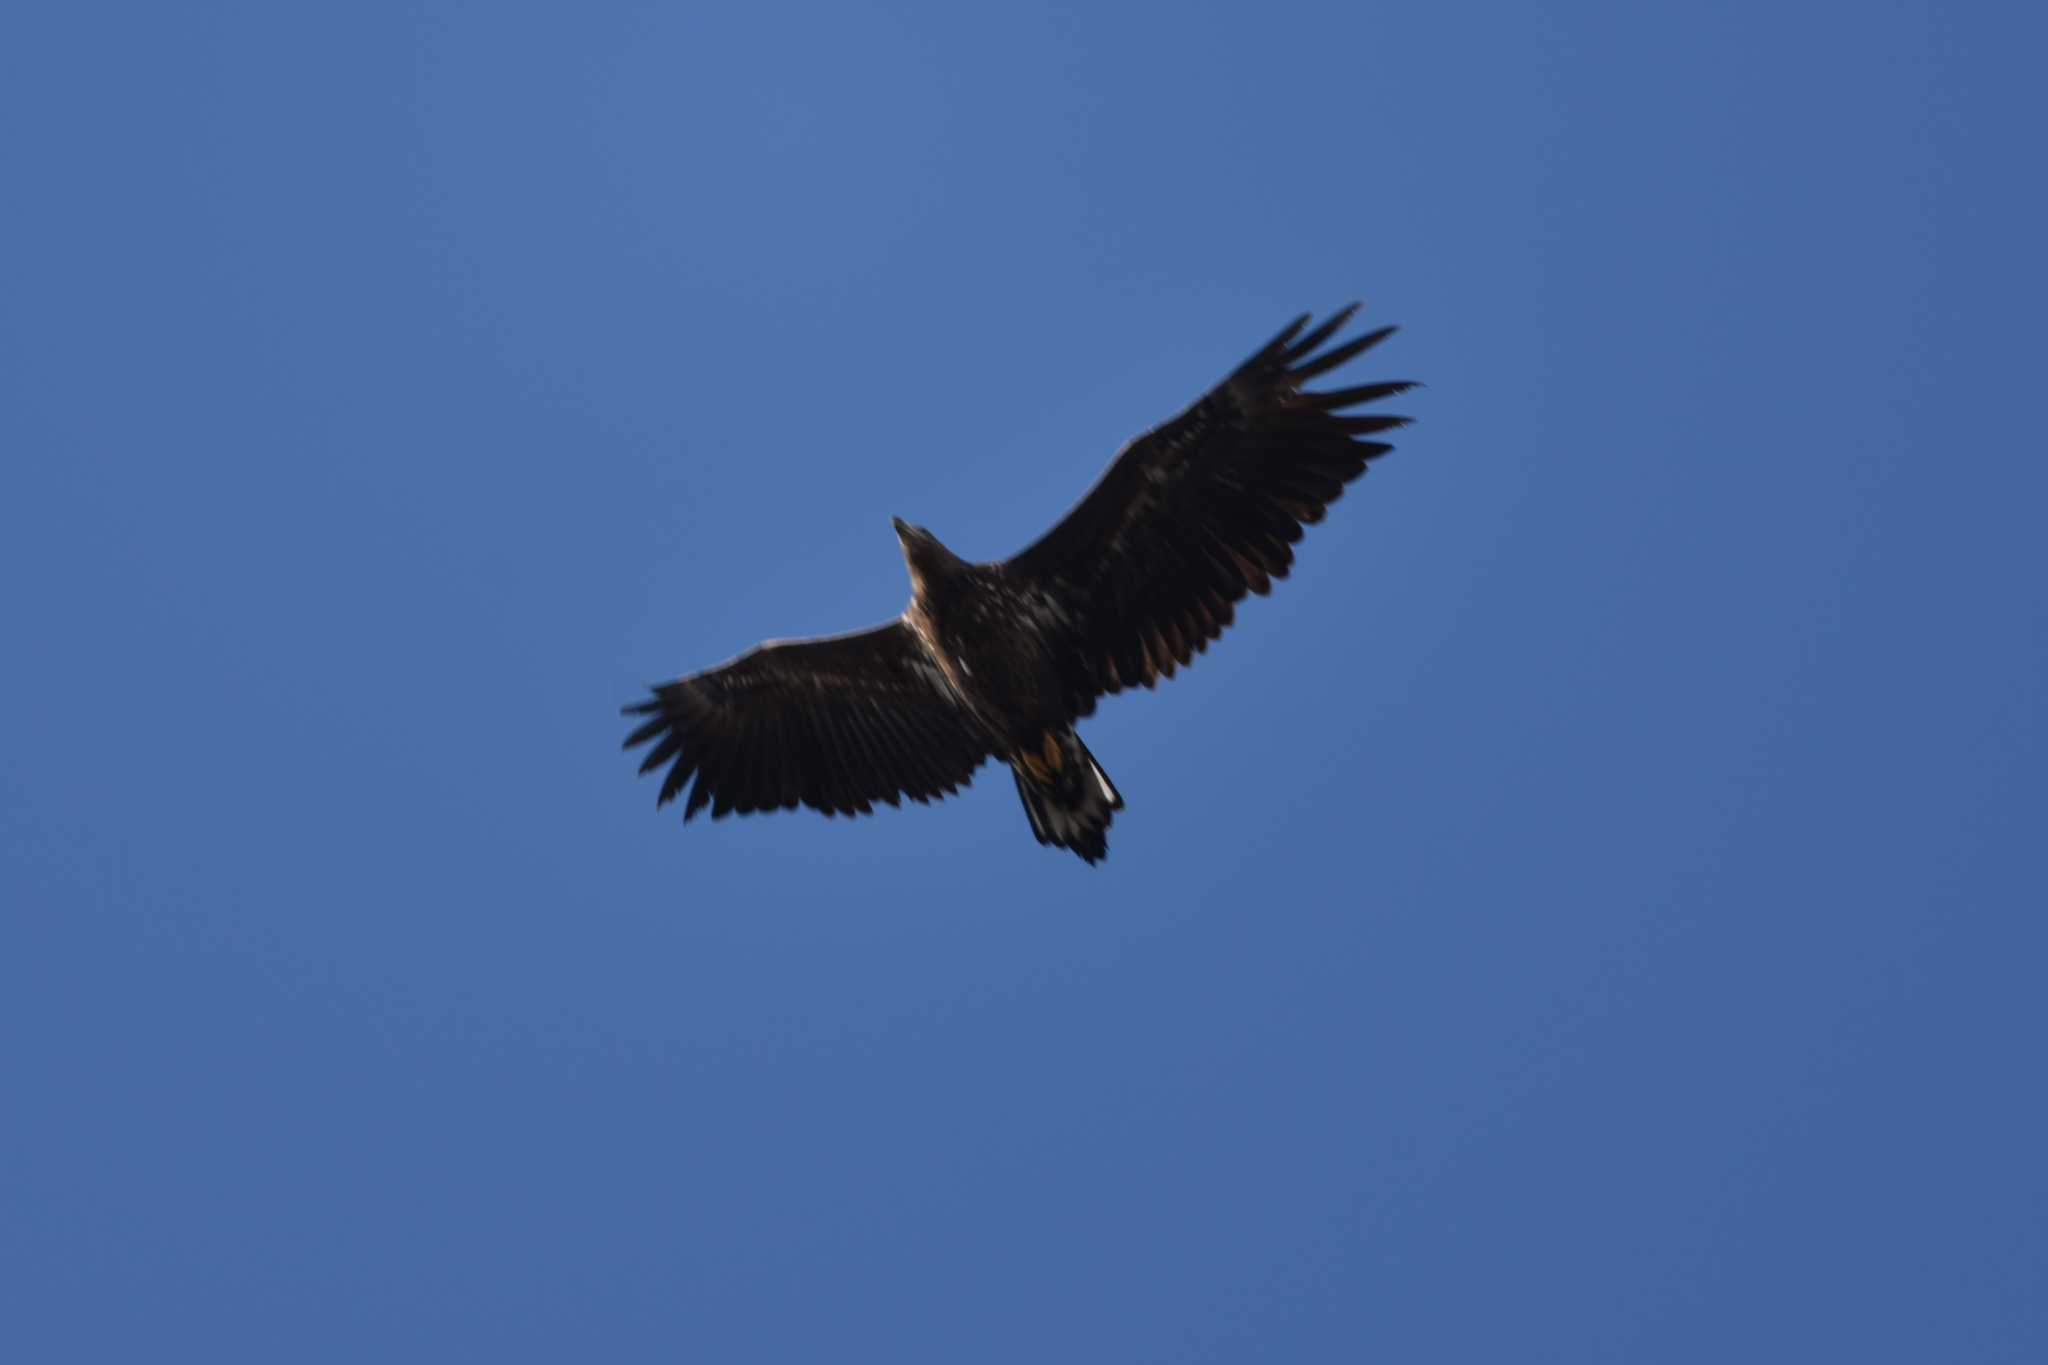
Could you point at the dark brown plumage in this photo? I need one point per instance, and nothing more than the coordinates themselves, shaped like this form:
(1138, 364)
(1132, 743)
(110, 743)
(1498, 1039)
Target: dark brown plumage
(1001, 658)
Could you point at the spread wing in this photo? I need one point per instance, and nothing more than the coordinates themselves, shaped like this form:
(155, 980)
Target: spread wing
(835, 723)
(1146, 569)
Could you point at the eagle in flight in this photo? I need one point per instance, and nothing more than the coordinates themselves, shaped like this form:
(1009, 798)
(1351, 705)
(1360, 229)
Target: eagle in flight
(1002, 658)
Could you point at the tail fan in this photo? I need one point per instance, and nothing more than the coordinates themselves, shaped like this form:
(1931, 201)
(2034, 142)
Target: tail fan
(1067, 796)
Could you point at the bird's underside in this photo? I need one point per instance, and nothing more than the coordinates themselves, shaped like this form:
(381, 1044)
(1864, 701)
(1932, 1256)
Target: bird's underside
(1000, 659)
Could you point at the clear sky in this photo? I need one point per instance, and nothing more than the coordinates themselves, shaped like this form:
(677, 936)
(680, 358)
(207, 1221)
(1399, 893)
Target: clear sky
(1593, 912)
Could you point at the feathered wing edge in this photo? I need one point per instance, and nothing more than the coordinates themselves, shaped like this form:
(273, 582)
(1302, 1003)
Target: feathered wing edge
(836, 723)
(1149, 566)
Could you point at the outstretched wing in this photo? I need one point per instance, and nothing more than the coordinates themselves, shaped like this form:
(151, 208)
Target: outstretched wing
(1190, 516)
(835, 723)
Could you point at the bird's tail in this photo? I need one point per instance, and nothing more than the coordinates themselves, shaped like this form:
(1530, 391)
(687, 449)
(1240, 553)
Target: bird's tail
(1068, 797)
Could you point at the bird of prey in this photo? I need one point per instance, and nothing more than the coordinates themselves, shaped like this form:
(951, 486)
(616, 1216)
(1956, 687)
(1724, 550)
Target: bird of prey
(1000, 659)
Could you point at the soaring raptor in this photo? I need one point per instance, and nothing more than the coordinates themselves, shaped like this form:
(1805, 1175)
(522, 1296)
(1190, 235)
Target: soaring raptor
(1003, 658)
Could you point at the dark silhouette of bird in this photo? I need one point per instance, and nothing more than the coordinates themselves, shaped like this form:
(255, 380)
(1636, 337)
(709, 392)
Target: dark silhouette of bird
(1002, 658)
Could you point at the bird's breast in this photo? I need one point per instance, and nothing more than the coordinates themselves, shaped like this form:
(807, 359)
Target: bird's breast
(996, 658)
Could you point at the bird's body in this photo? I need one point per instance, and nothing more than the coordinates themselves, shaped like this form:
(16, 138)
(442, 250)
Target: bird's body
(993, 639)
(1001, 659)
(996, 637)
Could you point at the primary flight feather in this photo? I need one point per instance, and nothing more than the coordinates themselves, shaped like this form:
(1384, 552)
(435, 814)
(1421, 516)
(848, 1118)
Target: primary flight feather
(1002, 658)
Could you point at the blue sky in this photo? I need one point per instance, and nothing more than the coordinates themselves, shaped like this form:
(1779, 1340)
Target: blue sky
(1592, 912)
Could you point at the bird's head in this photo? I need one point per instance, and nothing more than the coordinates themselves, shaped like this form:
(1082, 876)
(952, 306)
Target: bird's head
(927, 560)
